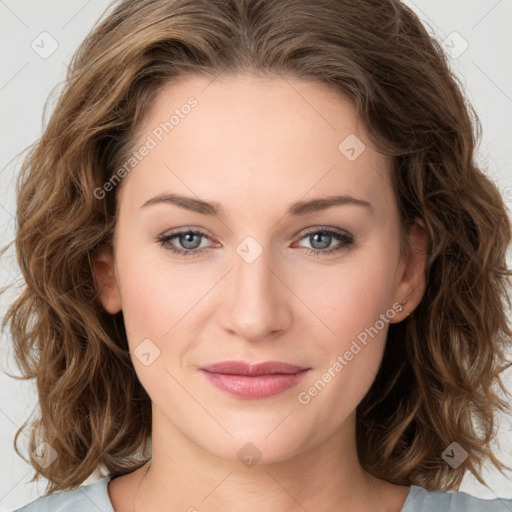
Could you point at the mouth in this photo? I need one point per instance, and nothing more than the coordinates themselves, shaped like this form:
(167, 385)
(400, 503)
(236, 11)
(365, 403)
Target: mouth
(254, 380)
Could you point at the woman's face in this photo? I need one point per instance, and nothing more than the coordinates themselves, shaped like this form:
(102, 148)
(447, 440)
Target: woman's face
(274, 274)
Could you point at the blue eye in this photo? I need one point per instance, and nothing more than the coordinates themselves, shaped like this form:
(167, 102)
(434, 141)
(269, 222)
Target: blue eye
(323, 238)
(190, 241)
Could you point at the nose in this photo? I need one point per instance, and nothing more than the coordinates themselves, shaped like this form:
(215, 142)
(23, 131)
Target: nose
(257, 302)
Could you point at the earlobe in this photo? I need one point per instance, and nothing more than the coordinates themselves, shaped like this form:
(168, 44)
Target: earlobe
(103, 266)
(410, 289)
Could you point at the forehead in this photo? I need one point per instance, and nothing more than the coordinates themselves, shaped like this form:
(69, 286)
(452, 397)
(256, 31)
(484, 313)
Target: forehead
(267, 140)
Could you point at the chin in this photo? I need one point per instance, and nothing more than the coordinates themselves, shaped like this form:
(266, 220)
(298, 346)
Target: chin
(251, 450)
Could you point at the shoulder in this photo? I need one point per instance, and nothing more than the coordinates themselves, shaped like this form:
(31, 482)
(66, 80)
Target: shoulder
(83, 499)
(421, 500)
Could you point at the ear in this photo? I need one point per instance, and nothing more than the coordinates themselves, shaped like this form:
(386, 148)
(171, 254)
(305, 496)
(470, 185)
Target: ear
(411, 287)
(103, 266)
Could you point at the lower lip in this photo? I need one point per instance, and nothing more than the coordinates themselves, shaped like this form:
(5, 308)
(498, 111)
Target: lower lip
(261, 386)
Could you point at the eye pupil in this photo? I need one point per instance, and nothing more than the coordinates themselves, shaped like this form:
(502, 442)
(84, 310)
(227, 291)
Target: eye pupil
(323, 245)
(189, 242)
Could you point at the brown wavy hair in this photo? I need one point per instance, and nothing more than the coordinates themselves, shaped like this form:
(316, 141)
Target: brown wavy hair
(440, 377)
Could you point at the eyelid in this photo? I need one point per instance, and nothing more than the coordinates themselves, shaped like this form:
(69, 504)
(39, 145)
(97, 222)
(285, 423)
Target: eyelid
(316, 229)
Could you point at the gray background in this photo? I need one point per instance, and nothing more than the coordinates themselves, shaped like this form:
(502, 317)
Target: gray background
(476, 33)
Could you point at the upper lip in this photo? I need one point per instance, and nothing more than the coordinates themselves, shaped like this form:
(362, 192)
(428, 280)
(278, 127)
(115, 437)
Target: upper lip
(245, 368)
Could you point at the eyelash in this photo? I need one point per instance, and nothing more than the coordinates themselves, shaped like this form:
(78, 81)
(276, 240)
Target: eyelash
(346, 239)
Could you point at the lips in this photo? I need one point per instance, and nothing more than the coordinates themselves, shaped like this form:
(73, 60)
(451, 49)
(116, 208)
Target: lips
(252, 369)
(254, 380)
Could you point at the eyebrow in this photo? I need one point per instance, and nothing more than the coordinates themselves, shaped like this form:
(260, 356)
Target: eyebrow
(296, 209)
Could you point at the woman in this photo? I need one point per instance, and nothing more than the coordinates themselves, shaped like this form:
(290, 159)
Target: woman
(263, 270)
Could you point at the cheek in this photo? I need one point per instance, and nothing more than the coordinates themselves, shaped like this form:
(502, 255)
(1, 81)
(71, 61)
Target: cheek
(155, 303)
(160, 300)
(351, 352)
(150, 300)
(351, 304)
(353, 294)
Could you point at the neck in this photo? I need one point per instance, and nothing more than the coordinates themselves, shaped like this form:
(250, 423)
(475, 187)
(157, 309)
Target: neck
(184, 476)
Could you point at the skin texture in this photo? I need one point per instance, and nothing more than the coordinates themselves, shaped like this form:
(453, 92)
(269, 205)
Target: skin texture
(255, 146)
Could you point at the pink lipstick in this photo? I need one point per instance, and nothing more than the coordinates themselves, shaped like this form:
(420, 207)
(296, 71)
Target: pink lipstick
(254, 380)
